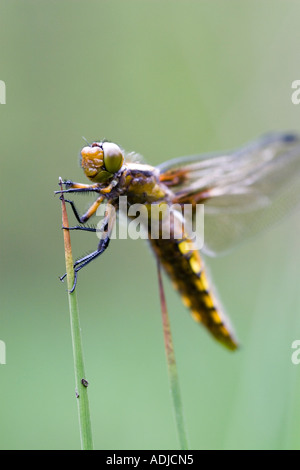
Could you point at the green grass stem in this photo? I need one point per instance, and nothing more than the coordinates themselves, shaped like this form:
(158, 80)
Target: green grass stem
(172, 368)
(81, 383)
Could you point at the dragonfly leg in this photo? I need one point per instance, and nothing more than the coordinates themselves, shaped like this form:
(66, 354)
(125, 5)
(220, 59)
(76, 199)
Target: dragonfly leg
(80, 263)
(91, 211)
(108, 188)
(88, 259)
(71, 184)
(109, 222)
(80, 227)
(72, 187)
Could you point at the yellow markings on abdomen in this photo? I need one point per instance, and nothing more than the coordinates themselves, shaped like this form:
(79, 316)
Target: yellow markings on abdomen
(216, 317)
(196, 316)
(195, 265)
(186, 270)
(185, 300)
(184, 247)
(202, 283)
(208, 300)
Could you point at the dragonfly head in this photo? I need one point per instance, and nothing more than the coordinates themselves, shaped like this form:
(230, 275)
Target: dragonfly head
(101, 160)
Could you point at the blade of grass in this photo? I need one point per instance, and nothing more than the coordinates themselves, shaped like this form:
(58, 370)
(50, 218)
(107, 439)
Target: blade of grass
(171, 365)
(80, 380)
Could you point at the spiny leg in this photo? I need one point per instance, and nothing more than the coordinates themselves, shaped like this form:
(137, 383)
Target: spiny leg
(102, 227)
(86, 229)
(87, 215)
(91, 211)
(86, 260)
(79, 187)
(106, 227)
(110, 218)
(72, 187)
(86, 188)
(103, 244)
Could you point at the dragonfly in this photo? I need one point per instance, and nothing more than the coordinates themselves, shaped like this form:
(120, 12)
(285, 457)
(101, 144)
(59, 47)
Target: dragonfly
(243, 192)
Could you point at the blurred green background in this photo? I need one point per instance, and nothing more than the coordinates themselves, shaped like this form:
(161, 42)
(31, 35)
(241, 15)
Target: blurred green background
(163, 78)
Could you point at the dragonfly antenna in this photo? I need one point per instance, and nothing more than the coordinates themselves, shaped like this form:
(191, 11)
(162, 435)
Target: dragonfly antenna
(86, 141)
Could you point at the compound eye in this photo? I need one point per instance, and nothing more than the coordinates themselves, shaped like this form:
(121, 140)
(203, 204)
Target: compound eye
(112, 157)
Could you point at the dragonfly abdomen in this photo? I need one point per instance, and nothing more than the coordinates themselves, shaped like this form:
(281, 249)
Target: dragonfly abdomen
(183, 264)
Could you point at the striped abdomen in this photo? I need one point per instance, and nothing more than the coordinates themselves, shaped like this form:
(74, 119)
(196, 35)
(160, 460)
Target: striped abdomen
(186, 270)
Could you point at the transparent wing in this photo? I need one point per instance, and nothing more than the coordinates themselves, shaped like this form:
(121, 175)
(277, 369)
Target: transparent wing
(244, 191)
(134, 157)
